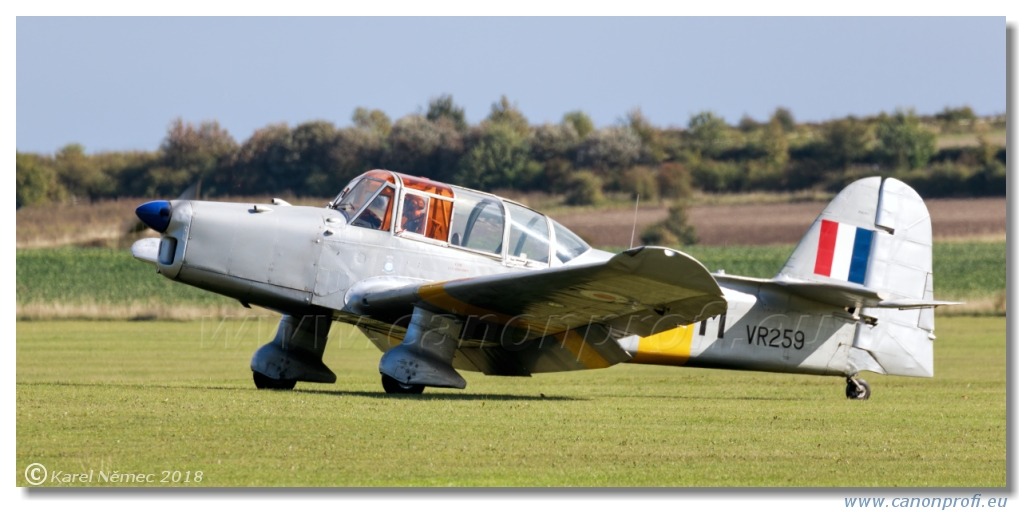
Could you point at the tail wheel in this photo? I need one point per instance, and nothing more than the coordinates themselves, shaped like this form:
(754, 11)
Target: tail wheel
(264, 382)
(857, 389)
(394, 387)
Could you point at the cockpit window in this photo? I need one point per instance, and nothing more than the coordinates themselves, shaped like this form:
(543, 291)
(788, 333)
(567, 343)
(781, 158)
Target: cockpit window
(478, 222)
(528, 238)
(567, 244)
(422, 209)
(355, 195)
(377, 213)
(414, 214)
(367, 203)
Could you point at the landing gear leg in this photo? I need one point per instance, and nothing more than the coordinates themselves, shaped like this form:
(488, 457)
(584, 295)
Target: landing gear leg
(295, 354)
(857, 389)
(424, 358)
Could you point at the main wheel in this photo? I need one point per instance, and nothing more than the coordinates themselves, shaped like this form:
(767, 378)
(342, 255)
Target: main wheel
(393, 387)
(857, 389)
(264, 382)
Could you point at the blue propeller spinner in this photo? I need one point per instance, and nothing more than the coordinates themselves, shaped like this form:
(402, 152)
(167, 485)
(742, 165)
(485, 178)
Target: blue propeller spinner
(155, 214)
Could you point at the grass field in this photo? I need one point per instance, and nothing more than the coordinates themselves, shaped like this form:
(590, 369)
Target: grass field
(150, 397)
(108, 283)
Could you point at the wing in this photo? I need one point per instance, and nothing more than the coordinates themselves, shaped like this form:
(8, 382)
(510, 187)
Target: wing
(561, 318)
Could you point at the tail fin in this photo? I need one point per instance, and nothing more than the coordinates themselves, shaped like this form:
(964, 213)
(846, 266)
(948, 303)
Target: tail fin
(872, 248)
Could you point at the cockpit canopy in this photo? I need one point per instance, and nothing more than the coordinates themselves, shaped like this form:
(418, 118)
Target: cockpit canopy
(434, 212)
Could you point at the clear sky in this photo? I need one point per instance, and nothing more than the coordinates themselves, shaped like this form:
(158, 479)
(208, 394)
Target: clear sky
(116, 83)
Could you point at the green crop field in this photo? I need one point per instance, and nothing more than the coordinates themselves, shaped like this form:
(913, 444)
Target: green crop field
(175, 400)
(108, 283)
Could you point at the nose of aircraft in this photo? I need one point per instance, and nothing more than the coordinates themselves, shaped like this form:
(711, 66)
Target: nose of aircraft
(155, 214)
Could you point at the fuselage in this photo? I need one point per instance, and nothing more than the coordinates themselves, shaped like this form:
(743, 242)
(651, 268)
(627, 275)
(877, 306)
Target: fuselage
(417, 266)
(302, 260)
(761, 330)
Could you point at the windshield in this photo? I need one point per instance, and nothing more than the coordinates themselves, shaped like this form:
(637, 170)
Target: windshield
(355, 195)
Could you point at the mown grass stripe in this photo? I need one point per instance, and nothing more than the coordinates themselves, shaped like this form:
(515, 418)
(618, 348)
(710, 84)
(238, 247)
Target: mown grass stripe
(151, 396)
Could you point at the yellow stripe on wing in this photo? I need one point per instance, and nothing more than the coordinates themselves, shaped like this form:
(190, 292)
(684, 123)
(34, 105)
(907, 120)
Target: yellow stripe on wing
(585, 354)
(571, 341)
(436, 295)
(671, 347)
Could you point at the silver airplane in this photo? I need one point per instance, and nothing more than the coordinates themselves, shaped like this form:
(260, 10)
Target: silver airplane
(442, 278)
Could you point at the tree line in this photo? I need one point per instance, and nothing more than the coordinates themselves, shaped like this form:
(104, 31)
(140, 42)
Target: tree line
(504, 151)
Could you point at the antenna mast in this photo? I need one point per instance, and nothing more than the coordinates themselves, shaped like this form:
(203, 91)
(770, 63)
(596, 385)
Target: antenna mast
(636, 213)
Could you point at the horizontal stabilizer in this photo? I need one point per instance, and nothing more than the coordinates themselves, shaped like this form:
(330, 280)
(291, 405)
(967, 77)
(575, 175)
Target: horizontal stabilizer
(914, 304)
(853, 296)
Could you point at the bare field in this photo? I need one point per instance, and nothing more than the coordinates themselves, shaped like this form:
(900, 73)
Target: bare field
(778, 223)
(109, 223)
